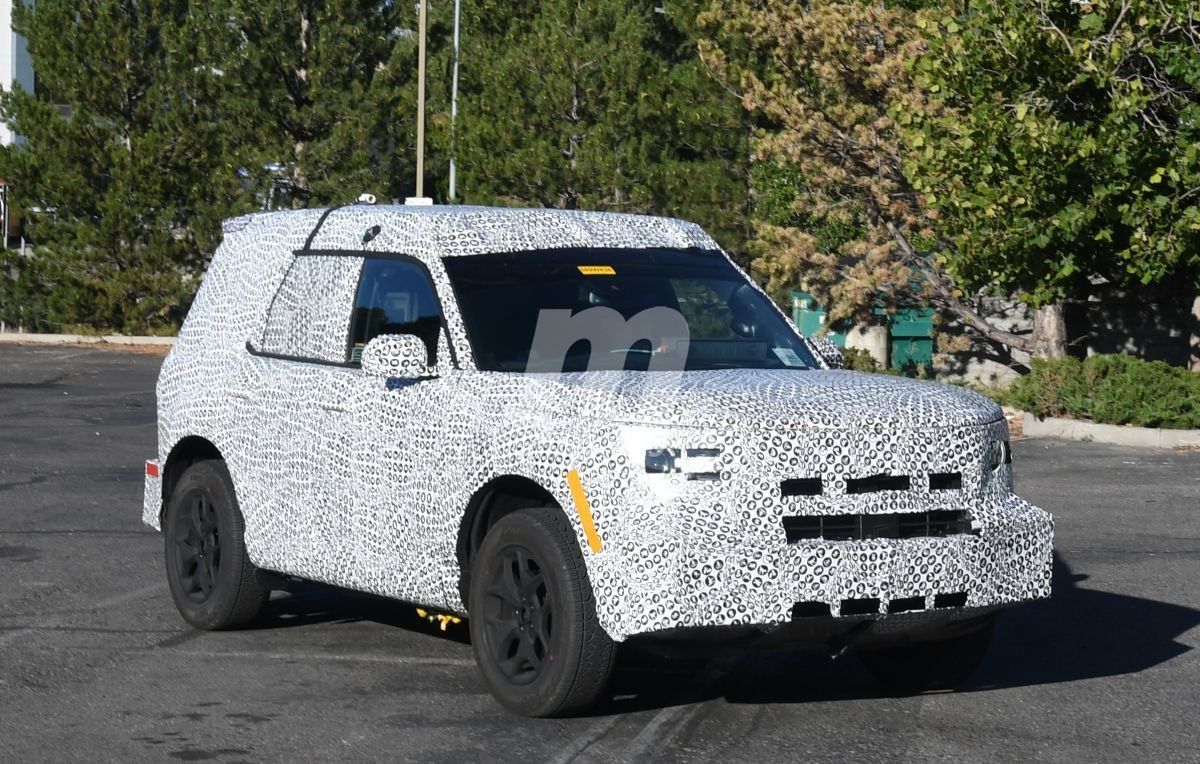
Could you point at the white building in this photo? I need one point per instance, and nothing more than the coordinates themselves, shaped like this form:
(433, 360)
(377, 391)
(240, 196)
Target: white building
(15, 66)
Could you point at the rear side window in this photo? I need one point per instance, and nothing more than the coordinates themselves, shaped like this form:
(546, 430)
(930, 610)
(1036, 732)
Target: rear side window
(309, 315)
(394, 297)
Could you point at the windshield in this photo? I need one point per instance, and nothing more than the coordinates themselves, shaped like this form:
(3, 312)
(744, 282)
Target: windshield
(634, 309)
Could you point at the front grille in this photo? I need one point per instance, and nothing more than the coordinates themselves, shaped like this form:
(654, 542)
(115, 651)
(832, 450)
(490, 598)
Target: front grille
(814, 486)
(899, 525)
(877, 483)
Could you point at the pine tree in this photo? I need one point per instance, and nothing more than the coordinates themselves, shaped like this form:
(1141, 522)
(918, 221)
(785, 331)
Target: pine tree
(598, 105)
(326, 92)
(122, 194)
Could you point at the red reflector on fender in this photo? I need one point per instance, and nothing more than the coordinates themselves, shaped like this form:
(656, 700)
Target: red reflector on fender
(152, 468)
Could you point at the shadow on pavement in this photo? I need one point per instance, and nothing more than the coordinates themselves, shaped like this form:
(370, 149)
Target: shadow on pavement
(307, 603)
(1079, 633)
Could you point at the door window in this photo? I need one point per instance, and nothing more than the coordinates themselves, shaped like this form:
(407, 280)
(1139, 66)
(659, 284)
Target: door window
(394, 297)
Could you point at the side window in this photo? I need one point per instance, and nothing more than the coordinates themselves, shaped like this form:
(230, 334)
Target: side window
(394, 297)
(311, 310)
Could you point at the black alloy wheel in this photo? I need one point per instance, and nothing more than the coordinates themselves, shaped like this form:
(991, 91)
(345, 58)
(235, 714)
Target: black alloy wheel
(198, 547)
(537, 640)
(518, 615)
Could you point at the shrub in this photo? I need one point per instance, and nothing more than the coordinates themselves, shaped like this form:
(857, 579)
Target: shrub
(1115, 389)
(858, 359)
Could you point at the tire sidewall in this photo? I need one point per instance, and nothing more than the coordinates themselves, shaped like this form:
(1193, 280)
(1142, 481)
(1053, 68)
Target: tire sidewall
(541, 696)
(211, 478)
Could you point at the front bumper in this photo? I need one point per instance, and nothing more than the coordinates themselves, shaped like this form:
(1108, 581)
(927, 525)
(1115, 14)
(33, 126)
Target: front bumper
(704, 583)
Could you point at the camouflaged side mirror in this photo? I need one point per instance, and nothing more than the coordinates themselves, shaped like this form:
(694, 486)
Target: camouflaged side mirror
(397, 356)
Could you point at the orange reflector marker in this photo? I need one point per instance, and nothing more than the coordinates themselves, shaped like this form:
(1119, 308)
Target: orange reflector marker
(585, 511)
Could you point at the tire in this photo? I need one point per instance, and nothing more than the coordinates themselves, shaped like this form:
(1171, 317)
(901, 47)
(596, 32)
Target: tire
(940, 664)
(212, 581)
(533, 621)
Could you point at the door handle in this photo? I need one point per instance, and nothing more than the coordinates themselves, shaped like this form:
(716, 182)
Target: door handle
(336, 408)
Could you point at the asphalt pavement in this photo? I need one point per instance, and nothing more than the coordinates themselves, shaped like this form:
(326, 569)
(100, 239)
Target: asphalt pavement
(95, 664)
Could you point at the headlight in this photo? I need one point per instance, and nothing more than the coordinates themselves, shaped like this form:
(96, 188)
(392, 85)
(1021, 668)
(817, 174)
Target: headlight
(695, 463)
(1001, 453)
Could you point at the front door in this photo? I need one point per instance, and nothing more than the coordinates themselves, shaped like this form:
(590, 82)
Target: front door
(400, 441)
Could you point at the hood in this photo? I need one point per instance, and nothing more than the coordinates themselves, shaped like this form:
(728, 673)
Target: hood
(738, 397)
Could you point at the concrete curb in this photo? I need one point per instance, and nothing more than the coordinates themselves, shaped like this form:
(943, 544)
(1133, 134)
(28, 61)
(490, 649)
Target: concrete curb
(21, 338)
(1115, 434)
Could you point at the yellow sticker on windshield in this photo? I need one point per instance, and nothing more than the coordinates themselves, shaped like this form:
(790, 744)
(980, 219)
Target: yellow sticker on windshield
(597, 270)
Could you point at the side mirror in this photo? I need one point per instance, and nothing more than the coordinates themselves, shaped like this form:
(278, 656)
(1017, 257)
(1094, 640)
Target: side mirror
(827, 352)
(397, 356)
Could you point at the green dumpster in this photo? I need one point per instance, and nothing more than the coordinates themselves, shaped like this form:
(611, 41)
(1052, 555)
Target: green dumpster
(810, 317)
(911, 338)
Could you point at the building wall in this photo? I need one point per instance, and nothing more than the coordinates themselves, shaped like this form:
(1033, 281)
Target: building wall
(16, 68)
(1162, 325)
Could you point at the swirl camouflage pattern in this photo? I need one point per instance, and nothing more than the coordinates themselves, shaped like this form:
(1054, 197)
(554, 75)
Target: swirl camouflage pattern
(344, 478)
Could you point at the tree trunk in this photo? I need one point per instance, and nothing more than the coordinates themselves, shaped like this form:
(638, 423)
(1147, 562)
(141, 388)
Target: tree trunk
(1049, 332)
(1195, 339)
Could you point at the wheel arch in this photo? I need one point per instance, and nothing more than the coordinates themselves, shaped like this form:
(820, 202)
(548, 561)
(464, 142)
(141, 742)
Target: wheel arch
(493, 500)
(184, 453)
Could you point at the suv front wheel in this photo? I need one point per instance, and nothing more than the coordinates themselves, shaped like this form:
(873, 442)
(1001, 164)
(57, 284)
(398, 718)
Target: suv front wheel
(533, 617)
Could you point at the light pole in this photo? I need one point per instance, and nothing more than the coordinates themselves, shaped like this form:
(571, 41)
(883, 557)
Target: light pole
(421, 101)
(454, 95)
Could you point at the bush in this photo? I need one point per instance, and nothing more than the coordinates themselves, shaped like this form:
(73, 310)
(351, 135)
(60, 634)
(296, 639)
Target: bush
(857, 359)
(1115, 389)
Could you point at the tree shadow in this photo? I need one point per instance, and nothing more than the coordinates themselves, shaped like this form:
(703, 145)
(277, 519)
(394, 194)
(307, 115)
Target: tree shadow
(1080, 633)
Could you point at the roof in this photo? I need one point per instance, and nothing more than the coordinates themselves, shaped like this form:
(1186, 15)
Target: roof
(439, 230)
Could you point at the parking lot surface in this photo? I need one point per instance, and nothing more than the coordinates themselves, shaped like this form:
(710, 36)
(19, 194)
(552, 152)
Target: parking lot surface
(95, 664)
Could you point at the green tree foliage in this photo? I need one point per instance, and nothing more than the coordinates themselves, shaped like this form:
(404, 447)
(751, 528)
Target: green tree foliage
(936, 150)
(1061, 142)
(123, 194)
(155, 119)
(598, 105)
(820, 79)
(327, 91)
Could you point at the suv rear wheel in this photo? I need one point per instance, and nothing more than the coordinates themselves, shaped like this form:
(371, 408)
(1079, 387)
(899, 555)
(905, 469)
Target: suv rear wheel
(212, 581)
(533, 618)
(940, 664)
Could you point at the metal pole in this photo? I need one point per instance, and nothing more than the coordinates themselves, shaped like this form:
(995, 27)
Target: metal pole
(421, 102)
(454, 95)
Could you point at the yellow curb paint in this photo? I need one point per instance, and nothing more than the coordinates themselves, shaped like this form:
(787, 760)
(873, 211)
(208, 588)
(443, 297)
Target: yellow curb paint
(585, 511)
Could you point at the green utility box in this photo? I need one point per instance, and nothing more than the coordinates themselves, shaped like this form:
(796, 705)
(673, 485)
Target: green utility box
(809, 317)
(910, 332)
(910, 338)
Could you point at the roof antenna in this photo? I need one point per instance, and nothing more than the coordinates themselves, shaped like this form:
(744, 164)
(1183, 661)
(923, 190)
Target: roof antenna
(366, 199)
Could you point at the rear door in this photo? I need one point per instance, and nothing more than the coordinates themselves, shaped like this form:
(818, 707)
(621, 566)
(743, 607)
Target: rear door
(299, 386)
